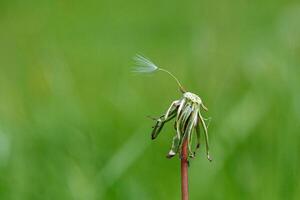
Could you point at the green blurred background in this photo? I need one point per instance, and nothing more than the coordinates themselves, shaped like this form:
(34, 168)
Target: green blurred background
(72, 115)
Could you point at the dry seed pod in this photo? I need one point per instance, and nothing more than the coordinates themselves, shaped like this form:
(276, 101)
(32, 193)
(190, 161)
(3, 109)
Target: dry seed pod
(186, 110)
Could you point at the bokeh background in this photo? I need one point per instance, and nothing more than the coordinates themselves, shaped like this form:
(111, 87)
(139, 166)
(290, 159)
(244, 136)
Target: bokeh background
(73, 117)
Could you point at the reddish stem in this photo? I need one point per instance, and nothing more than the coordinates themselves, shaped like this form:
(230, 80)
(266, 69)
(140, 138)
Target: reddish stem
(184, 171)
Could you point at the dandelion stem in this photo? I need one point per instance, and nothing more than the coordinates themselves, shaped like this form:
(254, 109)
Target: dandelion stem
(184, 170)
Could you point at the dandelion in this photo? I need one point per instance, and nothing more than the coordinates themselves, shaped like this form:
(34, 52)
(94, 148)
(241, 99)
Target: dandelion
(186, 111)
(188, 119)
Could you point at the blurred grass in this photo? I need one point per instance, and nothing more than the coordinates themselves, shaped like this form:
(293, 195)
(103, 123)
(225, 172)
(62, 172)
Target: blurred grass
(72, 116)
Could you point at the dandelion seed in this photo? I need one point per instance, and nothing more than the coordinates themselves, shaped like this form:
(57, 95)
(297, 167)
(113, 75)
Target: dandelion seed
(144, 65)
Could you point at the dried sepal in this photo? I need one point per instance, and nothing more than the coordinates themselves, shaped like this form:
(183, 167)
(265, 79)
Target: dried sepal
(197, 128)
(175, 147)
(201, 120)
(170, 114)
(160, 122)
(189, 129)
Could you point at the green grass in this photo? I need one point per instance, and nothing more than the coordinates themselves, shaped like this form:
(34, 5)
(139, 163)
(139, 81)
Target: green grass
(72, 116)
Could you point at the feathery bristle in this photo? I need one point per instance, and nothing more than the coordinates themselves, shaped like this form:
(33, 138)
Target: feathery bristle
(144, 65)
